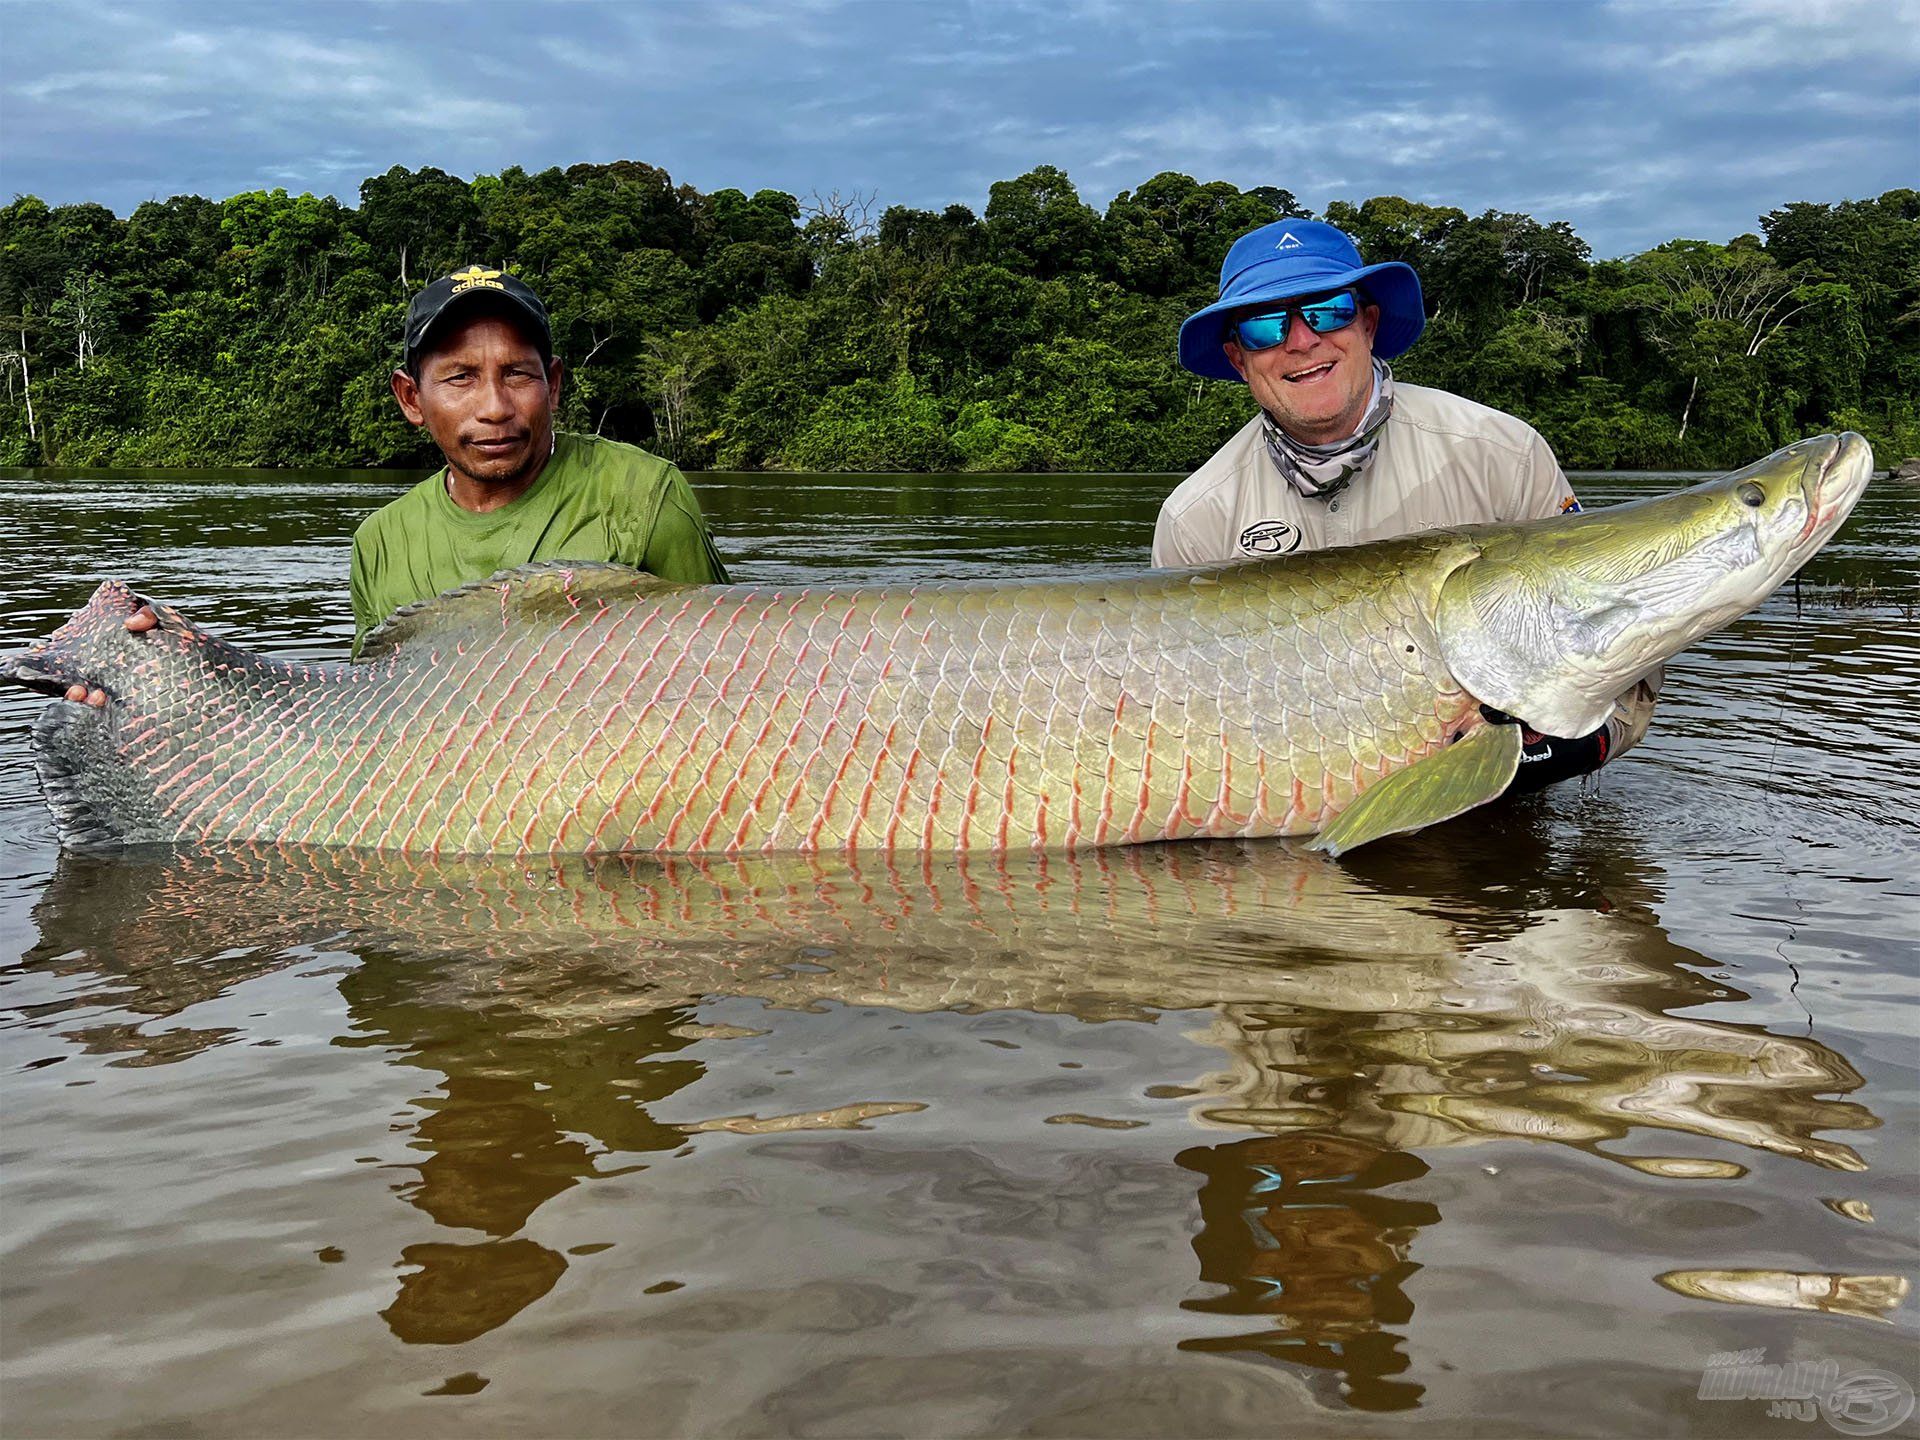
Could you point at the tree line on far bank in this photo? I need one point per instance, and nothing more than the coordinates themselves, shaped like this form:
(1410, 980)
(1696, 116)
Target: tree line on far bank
(734, 331)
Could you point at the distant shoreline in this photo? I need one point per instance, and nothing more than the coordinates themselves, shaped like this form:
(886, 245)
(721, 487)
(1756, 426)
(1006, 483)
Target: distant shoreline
(752, 333)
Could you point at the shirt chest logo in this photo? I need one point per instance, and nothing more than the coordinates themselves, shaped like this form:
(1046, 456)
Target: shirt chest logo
(1270, 537)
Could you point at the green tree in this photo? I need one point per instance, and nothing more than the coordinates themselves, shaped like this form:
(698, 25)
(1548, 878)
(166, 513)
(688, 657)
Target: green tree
(173, 249)
(85, 313)
(1388, 227)
(1039, 225)
(951, 238)
(1169, 236)
(870, 426)
(420, 224)
(985, 440)
(1714, 309)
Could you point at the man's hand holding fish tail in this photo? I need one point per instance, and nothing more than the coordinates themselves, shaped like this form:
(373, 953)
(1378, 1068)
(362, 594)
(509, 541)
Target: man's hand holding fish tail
(138, 623)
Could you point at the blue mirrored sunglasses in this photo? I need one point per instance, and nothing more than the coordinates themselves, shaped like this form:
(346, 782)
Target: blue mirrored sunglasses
(1269, 328)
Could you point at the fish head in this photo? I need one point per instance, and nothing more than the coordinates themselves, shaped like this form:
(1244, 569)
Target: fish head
(1552, 621)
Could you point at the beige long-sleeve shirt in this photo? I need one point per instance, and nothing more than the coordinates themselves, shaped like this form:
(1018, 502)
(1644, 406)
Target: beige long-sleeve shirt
(1443, 461)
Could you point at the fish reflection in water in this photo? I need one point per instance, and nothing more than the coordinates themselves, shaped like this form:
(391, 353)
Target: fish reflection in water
(1558, 1033)
(1349, 1027)
(1870, 1297)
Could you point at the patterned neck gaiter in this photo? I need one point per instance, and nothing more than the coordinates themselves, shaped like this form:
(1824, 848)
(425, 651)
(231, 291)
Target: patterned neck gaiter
(1324, 470)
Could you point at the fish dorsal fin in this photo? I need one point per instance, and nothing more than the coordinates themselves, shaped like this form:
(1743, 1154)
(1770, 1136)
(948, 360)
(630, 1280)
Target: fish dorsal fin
(543, 590)
(1447, 783)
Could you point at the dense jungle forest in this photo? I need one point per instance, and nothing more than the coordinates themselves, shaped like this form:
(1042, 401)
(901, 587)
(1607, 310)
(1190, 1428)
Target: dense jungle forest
(734, 331)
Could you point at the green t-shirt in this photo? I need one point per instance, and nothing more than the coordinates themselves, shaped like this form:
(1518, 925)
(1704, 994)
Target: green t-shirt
(595, 500)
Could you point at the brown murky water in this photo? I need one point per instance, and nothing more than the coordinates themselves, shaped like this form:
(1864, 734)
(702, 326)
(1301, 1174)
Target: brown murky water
(1515, 1127)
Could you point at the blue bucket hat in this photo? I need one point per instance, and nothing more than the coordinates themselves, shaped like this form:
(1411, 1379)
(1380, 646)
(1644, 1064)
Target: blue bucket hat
(1300, 257)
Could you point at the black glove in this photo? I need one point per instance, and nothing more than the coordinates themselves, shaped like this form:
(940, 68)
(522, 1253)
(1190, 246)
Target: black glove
(1545, 759)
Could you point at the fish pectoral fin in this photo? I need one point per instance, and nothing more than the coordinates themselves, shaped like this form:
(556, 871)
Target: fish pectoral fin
(545, 589)
(1447, 783)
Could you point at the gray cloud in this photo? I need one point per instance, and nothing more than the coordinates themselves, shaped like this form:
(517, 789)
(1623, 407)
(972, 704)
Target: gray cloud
(1637, 121)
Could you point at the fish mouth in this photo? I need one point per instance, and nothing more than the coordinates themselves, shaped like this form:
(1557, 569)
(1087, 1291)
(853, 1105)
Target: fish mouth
(1835, 486)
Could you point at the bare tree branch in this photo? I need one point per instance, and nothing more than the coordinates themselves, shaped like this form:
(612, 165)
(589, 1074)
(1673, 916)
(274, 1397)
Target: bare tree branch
(852, 213)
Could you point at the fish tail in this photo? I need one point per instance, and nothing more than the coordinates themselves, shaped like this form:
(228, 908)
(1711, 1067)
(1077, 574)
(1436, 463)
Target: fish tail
(96, 805)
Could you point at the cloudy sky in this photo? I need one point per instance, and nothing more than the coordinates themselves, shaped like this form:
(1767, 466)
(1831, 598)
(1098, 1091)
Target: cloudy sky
(1636, 121)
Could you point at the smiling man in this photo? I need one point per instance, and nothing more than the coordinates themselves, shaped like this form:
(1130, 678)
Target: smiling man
(1340, 454)
(481, 377)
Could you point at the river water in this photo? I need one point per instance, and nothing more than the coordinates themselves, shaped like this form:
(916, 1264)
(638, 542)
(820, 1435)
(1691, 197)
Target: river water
(1518, 1126)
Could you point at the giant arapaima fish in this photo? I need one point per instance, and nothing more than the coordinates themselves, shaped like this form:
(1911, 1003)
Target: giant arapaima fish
(560, 709)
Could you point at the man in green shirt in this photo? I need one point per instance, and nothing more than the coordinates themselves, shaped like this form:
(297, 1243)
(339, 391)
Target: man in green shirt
(481, 376)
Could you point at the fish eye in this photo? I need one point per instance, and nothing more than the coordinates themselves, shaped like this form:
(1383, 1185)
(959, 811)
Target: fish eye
(1752, 494)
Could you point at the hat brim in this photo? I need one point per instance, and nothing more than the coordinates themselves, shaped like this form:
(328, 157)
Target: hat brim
(463, 305)
(1391, 285)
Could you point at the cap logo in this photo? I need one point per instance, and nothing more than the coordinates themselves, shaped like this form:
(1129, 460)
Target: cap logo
(474, 278)
(1288, 241)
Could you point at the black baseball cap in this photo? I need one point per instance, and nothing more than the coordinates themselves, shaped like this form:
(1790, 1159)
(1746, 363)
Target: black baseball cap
(454, 294)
